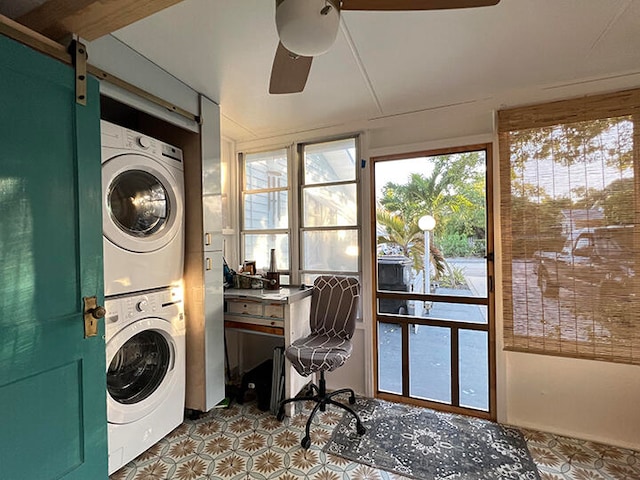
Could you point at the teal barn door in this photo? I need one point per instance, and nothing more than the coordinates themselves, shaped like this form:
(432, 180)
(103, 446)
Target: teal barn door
(52, 379)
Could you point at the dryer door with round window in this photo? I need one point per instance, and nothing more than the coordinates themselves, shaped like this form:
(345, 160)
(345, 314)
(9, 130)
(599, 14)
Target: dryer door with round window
(142, 210)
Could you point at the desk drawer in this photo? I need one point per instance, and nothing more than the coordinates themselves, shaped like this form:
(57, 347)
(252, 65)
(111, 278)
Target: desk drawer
(268, 322)
(274, 310)
(244, 307)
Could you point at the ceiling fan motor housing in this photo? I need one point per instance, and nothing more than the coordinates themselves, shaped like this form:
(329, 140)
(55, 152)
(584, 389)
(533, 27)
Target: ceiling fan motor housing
(307, 27)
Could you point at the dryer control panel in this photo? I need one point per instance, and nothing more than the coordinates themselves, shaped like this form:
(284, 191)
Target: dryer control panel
(136, 141)
(116, 137)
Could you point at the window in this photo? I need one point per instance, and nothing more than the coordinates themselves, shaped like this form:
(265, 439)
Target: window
(329, 233)
(265, 208)
(570, 209)
(323, 223)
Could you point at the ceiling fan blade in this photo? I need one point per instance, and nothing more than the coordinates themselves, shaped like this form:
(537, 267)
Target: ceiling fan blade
(414, 4)
(289, 72)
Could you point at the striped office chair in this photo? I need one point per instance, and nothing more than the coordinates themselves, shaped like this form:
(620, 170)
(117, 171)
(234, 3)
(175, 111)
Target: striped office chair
(334, 304)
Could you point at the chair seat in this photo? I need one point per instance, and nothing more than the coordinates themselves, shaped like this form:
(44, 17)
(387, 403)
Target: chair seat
(318, 352)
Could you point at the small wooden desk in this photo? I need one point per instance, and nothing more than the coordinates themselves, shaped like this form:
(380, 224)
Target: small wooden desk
(282, 313)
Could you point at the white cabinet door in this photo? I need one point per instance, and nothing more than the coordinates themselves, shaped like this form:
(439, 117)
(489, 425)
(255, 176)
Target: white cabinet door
(212, 220)
(212, 253)
(210, 139)
(214, 329)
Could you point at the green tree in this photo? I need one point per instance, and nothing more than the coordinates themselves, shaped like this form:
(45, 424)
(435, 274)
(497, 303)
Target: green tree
(587, 197)
(471, 220)
(580, 142)
(408, 240)
(617, 204)
(604, 145)
(453, 193)
(448, 192)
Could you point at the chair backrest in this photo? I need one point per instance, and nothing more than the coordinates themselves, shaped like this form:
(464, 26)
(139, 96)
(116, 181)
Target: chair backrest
(334, 305)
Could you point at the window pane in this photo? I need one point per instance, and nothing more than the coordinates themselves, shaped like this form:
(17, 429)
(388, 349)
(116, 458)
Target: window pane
(266, 211)
(330, 162)
(389, 358)
(430, 363)
(330, 206)
(265, 170)
(451, 188)
(474, 369)
(460, 312)
(258, 248)
(330, 250)
(452, 311)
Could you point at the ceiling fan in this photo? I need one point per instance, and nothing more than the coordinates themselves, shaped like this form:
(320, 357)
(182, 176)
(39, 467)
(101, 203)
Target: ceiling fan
(308, 28)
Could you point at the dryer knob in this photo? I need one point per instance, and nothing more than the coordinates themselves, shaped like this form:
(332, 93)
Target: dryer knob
(142, 305)
(144, 142)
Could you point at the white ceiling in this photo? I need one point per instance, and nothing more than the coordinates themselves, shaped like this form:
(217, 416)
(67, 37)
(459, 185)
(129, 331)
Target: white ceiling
(387, 63)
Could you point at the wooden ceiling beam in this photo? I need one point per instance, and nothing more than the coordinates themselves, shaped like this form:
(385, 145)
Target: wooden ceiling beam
(406, 5)
(90, 19)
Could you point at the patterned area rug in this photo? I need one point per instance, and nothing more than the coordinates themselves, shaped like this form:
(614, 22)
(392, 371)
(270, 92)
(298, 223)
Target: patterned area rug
(426, 444)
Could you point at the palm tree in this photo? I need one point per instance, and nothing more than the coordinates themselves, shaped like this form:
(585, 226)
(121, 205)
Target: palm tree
(438, 194)
(408, 239)
(442, 194)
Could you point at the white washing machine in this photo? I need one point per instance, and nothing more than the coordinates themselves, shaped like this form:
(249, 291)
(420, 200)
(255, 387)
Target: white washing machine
(145, 340)
(142, 211)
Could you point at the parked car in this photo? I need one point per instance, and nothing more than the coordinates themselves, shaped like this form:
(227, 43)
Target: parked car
(596, 263)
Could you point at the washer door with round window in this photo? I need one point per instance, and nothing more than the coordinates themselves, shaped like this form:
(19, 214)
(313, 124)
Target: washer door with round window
(141, 369)
(141, 209)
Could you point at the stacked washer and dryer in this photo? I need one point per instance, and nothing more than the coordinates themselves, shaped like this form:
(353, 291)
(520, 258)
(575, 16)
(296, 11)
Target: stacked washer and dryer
(143, 240)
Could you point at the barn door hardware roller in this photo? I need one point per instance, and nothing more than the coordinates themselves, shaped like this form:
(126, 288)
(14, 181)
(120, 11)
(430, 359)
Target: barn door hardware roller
(79, 54)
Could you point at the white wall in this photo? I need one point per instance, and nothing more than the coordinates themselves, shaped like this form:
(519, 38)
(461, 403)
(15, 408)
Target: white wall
(350, 375)
(581, 398)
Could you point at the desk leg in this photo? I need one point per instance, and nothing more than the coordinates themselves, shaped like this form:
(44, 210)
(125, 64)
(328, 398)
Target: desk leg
(240, 350)
(296, 325)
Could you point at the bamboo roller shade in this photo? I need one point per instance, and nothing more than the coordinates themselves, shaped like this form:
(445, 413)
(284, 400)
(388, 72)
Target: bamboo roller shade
(570, 197)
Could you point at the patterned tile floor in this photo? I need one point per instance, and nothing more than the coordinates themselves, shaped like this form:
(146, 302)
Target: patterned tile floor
(243, 443)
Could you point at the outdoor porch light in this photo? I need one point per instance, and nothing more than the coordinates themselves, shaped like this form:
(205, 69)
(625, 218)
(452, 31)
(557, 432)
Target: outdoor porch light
(426, 224)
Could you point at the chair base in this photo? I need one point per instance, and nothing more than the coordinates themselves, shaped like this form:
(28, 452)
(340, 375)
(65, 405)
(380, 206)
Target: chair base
(322, 399)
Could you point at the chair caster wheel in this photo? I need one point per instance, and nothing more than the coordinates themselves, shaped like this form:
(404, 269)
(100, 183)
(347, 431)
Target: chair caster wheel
(280, 415)
(306, 443)
(360, 429)
(352, 400)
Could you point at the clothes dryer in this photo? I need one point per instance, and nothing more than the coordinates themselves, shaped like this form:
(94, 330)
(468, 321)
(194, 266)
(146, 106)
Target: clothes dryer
(142, 211)
(145, 350)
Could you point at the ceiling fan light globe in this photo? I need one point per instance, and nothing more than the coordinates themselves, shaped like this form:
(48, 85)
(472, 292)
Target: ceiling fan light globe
(303, 29)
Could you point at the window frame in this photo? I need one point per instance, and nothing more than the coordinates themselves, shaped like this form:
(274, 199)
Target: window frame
(295, 188)
(302, 186)
(242, 183)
